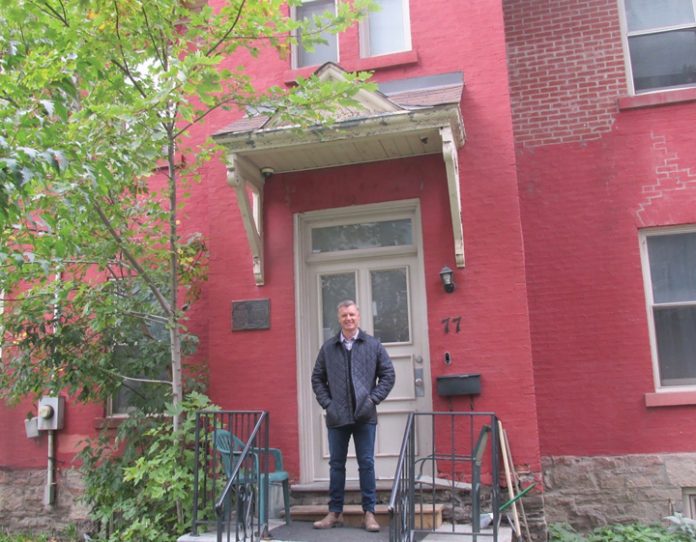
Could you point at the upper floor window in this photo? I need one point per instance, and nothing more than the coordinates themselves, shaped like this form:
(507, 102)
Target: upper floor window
(669, 263)
(387, 30)
(661, 39)
(315, 54)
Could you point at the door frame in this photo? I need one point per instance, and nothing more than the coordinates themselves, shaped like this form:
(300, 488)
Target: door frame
(303, 323)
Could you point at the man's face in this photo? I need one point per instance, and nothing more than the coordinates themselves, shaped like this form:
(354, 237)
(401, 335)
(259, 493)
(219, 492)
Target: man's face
(349, 320)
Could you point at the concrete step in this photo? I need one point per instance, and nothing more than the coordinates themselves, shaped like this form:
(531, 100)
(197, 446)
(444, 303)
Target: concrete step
(302, 532)
(430, 518)
(211, 536)
(462, 533)
(318, 492)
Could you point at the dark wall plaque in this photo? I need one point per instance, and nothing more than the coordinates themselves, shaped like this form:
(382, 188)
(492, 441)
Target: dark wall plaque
(253, 314)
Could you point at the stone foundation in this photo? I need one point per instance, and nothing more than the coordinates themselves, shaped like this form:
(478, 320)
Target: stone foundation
(21, 501)
(588, 492)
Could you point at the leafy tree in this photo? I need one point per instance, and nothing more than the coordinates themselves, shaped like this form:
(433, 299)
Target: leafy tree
(97, 98)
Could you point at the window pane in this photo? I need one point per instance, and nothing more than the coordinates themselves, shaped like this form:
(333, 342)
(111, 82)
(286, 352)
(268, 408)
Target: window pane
(676, 345)
(673, 267)
(390, 305)
(663, 60)
(386, 28)
(322, 52)
(369, 235)
(141, 350)
(334, 289)
(646, 14)
(133, 360)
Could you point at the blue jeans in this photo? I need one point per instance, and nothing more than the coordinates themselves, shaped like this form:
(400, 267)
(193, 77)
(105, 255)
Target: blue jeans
(364, 440)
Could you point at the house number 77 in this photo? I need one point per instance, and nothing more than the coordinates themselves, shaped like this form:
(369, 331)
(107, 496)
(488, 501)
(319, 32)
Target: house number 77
(456, 321)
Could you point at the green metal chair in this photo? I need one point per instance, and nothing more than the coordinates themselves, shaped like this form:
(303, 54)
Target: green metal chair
(230, 447)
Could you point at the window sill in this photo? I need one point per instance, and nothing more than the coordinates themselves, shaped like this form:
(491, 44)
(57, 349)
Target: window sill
(114, 421)
(384, 61)
(360, 64)
(655, 99)
(670, 398)
(108, 422)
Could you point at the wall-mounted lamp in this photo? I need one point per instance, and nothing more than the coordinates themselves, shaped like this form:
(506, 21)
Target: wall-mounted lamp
(447, 278)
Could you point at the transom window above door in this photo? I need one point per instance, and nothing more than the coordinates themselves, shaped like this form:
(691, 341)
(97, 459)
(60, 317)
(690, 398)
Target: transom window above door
(660, 36)
(378, 234)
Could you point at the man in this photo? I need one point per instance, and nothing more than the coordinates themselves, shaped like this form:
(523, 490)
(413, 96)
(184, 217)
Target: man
(352, 375)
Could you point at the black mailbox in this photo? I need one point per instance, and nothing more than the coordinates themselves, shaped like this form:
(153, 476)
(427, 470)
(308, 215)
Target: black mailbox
(462, 384)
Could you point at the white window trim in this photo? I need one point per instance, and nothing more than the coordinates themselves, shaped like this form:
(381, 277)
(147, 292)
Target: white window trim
(649, 301)
(625, 34)
(364, 30)
(295, 48)
(689, 497)
(110, 410)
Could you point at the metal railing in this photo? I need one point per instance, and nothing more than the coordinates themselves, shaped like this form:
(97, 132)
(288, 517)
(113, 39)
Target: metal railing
(447, 478)
(229, 473)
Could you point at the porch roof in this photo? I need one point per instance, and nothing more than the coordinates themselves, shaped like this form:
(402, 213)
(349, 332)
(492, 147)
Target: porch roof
(411, 117)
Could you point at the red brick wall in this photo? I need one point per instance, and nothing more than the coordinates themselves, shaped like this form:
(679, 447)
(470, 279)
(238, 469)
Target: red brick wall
(585, 194)
(18, 451)
(258, 369)
(566, 69)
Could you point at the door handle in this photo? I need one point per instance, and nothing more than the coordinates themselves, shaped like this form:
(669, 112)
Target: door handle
(418, 382)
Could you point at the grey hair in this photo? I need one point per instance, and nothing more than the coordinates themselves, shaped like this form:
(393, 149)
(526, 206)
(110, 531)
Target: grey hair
(346, 303)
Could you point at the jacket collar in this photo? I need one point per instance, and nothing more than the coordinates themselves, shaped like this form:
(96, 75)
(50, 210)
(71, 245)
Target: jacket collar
(360, 337)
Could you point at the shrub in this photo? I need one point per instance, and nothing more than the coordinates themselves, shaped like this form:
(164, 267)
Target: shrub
(679, 531)
(140, 486)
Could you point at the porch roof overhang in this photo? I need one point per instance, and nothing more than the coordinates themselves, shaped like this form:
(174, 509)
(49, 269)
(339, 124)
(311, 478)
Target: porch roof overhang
(256, 148)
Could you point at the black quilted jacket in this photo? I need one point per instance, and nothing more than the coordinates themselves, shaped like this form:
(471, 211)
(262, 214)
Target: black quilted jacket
(373, 379)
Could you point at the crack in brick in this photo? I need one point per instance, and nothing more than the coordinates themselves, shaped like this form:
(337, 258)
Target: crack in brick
(669, 176)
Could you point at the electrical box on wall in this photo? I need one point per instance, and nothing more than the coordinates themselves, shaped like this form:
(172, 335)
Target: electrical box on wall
(51, 411)
(31, 426)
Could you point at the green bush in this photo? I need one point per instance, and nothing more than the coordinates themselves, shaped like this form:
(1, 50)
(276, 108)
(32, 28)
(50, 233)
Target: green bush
(24, 538)
(679, 531)
(140, 485)
(68, 535)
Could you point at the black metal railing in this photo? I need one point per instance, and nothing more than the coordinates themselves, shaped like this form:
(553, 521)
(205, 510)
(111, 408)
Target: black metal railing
(447, 479)
(232, 459)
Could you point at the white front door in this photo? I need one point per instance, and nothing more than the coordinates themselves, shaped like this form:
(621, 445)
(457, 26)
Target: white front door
(371, 254)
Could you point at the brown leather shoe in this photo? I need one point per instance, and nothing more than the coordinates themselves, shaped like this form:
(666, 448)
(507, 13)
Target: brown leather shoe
(332, 519)
(370, 522)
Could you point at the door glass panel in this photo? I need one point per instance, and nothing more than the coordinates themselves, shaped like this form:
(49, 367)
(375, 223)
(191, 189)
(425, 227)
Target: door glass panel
(387, 233)
(334, 289)
(390, 313)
